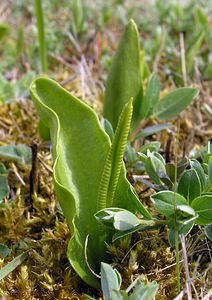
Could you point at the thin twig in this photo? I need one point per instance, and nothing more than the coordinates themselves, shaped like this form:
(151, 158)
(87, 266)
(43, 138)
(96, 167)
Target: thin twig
(45, 165)
(33, 173)
(15, 171)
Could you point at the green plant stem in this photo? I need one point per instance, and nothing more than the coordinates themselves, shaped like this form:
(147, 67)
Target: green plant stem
(41, 35)
(175, 211)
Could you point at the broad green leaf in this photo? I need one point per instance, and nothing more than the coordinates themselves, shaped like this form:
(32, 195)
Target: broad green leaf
(19, 153)
(208, 232)
(6, 90)
(190, 185)
(181, 166)
(144, 291)
(110, 281)
(200, 172)
(124, 79)
(174, 103)
(4, 250)
(4, 188)
(106, 216)
(152, 130)
(185, 211)
(167, 201)
(203, 207)
(6, 270)
(22, 85)
(125, 220)
(183, 229)
(151, 96)
(80, 149)
(151, 226)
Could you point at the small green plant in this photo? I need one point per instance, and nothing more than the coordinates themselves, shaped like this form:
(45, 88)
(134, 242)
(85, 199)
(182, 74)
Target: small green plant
(126, 79)
(89, 174)
(9, 92)
(111, 283)
(80, 143)
(189, 205)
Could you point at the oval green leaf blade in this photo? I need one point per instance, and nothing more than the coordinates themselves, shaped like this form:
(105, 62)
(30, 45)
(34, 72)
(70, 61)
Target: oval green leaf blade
(152, 130)
(110, 280)
(144, 291)
(4, 250)
(125, 220)
(165, 202)
(19, 153)
(174, 103)
(208, 232)
(200, 172)
(189, 185)
(203, 207)
(124, 79)
(185, 210)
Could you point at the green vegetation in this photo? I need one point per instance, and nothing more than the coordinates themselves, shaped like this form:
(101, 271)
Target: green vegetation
(105, 185)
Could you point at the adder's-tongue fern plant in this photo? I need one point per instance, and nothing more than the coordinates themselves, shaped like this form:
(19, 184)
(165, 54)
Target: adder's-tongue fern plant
(88, 171)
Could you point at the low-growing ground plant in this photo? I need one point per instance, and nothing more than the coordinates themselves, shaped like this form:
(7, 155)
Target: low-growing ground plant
(89, 173)
(126, 79)
(184, 202)
(111, 282)
(80, 143)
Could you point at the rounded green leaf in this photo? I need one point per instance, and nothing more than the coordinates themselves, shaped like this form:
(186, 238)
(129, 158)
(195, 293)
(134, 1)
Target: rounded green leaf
(125, 220)
(190, 185)
(167, 201)
(203, 207)
(200, 172)
(208, 232)
(174, 103)
(124, 79)
(4, 250)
